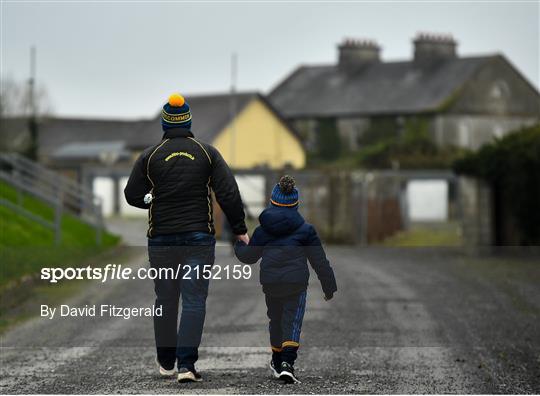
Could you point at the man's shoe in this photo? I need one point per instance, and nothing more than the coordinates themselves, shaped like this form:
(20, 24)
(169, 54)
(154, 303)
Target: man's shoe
(187, 375)
(287, 374)
(275, 370)
(164, 372)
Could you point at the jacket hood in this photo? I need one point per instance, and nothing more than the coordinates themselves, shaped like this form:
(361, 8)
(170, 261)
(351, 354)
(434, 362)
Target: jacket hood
(280, 221)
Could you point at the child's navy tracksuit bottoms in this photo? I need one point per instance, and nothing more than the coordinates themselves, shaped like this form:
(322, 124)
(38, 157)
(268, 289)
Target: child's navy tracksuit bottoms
(286, 314)
(285, 242)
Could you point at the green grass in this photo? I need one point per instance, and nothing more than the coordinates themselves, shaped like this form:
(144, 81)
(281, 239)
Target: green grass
(27, 246)
(427, 235)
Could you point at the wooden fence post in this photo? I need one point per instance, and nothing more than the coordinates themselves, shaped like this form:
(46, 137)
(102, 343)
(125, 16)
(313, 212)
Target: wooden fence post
(99, 224)
(58, 218)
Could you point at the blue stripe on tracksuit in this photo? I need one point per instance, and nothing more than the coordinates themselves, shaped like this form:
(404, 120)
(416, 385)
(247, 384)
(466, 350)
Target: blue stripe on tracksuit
(297, 324)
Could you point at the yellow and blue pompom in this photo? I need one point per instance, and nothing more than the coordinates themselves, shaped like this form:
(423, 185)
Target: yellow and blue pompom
(176, 113)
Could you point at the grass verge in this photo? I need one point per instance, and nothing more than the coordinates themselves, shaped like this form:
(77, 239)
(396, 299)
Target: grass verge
(22, 301)
(27, 246)
(427, 235)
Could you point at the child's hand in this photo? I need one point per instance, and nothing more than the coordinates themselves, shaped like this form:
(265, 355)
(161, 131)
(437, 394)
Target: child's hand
(328, 296)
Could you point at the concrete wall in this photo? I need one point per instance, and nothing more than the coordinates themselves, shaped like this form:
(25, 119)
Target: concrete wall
(477, 212)
(350, 130)
(497, 89)
(473, 131)
(307, 128)
(448, 129)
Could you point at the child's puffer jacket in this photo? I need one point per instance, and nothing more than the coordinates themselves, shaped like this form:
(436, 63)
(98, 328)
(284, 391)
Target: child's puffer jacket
(285, 242)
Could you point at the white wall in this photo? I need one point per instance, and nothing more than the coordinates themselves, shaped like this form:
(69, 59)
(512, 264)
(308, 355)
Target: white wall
(252, 190)
(125, 208)
(427, 200)
(103, 187)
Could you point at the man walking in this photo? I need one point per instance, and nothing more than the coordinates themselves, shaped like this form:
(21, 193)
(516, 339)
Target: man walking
(174, 180)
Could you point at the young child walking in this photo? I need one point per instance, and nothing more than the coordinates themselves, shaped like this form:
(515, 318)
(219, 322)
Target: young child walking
(286, 242)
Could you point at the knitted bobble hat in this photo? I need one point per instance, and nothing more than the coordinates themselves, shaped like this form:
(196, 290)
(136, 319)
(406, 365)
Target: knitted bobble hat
(176, 113)
(285, 194)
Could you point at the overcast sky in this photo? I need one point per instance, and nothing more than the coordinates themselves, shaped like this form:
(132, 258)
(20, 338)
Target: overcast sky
(121, 60)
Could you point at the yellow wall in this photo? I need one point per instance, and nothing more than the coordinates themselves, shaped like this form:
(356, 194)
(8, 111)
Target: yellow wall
(260, 138)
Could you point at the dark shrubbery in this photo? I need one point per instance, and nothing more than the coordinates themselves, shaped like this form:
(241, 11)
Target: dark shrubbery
(412, 149)
(329, 143)
(512, 166)
(386, 144)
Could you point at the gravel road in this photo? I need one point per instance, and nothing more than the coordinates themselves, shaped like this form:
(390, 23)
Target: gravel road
(403, 321)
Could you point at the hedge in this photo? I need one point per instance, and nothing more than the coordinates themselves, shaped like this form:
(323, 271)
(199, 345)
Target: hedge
(512, 164)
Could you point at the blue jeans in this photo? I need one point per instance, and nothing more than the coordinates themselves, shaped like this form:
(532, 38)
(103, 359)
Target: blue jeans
(192, 251)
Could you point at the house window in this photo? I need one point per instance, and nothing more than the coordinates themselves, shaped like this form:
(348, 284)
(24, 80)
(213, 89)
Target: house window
(499, 90)
(463, 135)
(498, 131)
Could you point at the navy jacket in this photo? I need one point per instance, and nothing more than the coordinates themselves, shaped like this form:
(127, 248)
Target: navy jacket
(285, 242)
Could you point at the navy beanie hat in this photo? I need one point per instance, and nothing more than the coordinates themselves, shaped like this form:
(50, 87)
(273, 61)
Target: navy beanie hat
(285, 194)
(176, 113)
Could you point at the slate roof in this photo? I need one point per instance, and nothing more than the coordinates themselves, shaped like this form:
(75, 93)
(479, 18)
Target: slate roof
(211, 113)
(57, 132)
(93, 150)
(373, 89)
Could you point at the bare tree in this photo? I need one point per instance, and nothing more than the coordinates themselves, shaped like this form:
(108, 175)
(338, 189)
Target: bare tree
(18, 124)
(15, 99)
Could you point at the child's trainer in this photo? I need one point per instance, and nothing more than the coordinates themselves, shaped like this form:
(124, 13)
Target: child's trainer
(286, 242)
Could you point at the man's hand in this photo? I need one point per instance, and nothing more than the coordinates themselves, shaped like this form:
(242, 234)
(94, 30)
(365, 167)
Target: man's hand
(328, 296)
(244, 238)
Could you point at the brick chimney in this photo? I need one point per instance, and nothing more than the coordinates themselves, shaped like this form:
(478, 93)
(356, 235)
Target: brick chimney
(357, 52)
(430, 46)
